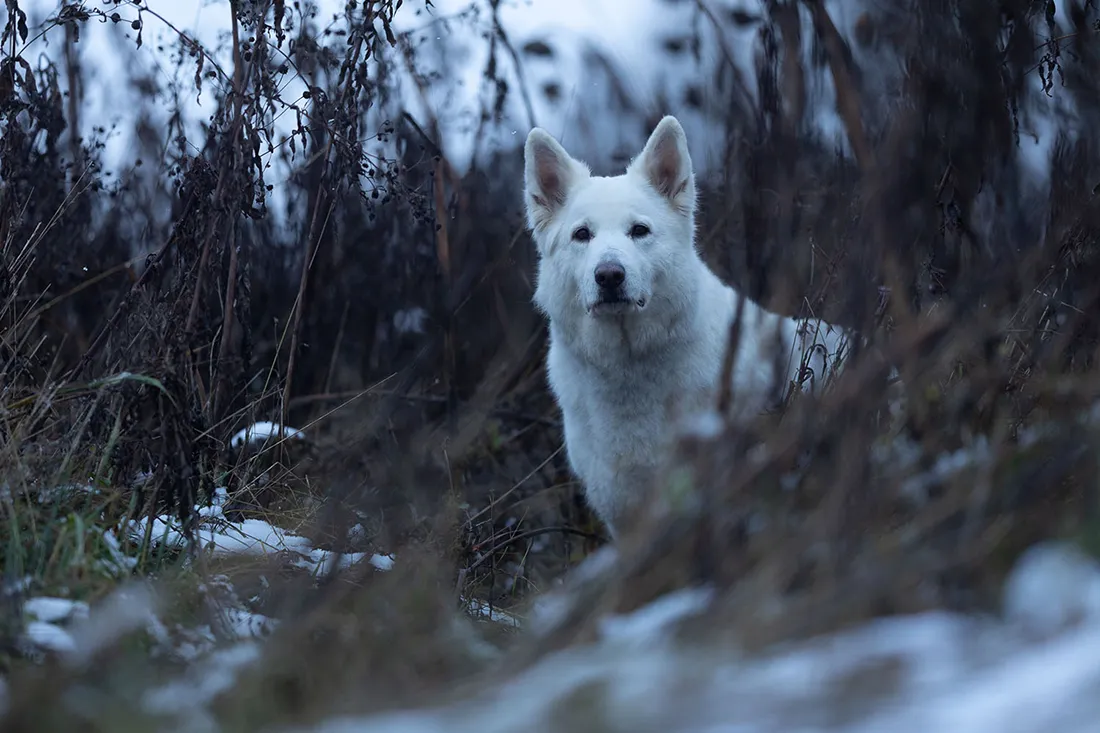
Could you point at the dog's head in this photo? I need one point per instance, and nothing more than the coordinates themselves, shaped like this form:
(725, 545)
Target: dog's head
(610, 245)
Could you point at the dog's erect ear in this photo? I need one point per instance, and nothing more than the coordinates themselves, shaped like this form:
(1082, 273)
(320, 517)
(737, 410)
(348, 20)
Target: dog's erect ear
(549, 172)
(666, 164)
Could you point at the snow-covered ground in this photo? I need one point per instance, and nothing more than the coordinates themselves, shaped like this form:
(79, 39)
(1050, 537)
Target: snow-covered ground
(220, 536)
(251, 536)
(1032, 670)
(670, 665)
(1036, 669)
(50, 621)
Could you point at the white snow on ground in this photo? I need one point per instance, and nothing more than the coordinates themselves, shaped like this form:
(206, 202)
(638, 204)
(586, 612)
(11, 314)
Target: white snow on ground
(65, 627)
(131, 607)
(1053, 588)
(202, 682)
(75, 632)
(486, 612)
(263, 431)
(45, 623)
(910, 674)
(652, 623)
(219, 536)
(53, 610)
(49, 637)
(551, 607)
(1034, 670)
(381, 562)
(119, 563)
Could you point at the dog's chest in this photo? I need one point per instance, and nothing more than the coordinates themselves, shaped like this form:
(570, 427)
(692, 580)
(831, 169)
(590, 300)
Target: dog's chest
(622, 421)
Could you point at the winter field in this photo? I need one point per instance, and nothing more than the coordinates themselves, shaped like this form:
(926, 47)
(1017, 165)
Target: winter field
(276, 447)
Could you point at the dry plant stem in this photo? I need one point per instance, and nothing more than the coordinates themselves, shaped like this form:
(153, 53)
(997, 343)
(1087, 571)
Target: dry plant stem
(420, 398)
(331, 372)
(880, 226)
(223, 177)
(847, 93)
(217, 395)
(502, 497)
(729, 358)
(98, 341)
(727, 52)
(316, 230)
(443, 253)
(849, 107)
(519, 537)
(794, 77)
(525, 93)
(72, 70)
(444, 173)
(220, 377)
(792, 103)
(848, 391)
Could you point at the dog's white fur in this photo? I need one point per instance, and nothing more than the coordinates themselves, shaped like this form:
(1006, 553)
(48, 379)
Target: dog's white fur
(624, 371)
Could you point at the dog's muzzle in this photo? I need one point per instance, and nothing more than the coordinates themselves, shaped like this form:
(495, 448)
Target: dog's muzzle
(611, 283)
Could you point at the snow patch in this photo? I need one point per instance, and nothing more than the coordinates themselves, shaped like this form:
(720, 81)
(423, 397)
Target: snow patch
(1053, 586)
(410, 320)
(130, 608)
(382, 562)
(263, 431)
(203, 682)
(651, 623)
(54, 610)
(933, 671)
(484, 611)
(49, 637)
(221, 537)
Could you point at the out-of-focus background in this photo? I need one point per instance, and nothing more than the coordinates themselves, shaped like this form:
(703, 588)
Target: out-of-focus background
(276, 446)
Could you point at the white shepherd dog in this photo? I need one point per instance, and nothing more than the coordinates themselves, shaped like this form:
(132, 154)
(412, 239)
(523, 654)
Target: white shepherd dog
(638, 322)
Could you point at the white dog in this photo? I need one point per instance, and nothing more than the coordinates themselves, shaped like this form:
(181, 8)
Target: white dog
(638, 323)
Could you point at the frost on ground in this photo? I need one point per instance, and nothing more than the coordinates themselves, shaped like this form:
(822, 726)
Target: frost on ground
(929, 672)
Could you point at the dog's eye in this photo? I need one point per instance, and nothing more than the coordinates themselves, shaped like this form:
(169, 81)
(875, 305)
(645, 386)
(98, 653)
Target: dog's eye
(582, 234)
(638, 231)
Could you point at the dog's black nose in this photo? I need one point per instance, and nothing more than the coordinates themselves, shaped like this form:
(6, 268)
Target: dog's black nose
(610, 275)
